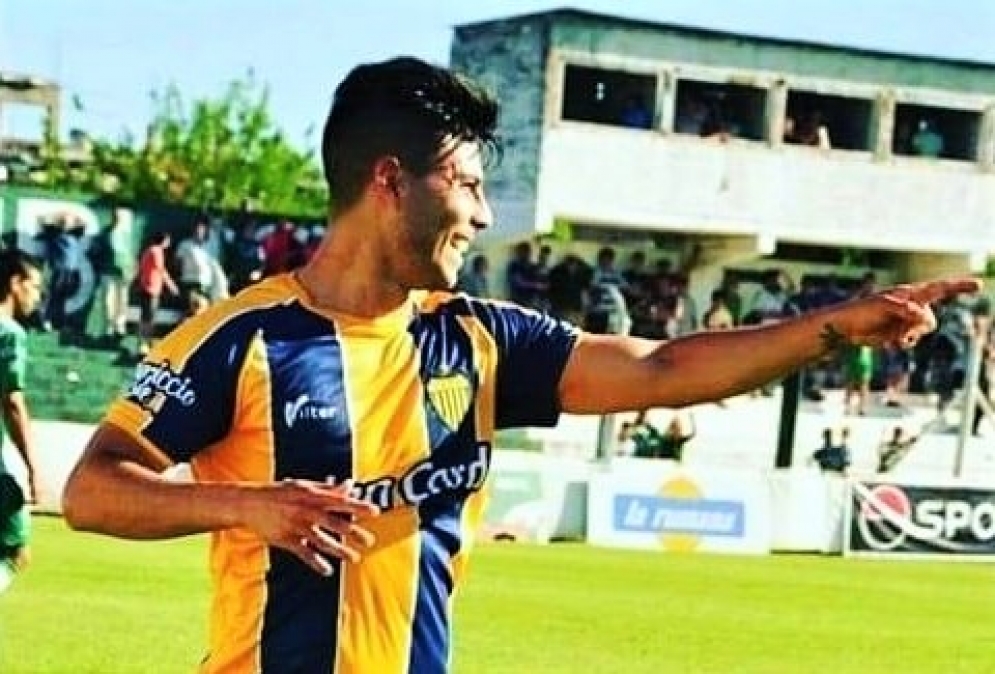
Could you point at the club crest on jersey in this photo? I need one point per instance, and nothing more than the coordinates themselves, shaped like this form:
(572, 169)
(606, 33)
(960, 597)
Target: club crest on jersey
(451, 396)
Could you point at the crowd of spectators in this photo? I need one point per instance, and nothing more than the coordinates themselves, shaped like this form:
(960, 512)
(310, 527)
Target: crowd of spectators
(178, 272)
(653, 301)
(182, 271)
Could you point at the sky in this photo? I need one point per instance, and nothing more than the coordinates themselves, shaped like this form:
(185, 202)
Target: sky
(110, 54)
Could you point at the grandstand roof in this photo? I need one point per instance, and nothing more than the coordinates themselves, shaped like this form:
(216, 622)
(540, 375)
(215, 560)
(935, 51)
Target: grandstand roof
(629, 22)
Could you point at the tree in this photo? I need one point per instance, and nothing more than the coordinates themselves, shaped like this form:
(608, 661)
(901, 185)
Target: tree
(210, 153)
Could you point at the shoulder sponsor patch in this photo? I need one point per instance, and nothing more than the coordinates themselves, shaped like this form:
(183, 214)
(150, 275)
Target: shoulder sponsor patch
(155, 383)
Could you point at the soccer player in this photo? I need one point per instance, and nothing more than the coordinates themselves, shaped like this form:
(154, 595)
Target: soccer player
(20, 290)
(339, 420)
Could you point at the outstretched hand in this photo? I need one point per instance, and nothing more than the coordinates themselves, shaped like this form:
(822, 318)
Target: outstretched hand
(898, 316)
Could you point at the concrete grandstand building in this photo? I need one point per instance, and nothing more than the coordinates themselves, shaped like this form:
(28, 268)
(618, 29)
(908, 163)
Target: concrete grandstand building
(748, 149)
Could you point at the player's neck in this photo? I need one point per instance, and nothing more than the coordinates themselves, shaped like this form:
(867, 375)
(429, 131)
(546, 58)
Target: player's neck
(348, 275)
(7, 307)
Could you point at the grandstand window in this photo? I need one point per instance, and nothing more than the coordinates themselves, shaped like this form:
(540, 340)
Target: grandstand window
(833, 255)
(721, 109)
(612, 97)
(928, 131)
(838, 122)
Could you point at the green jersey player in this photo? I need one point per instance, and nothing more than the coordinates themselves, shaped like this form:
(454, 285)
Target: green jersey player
(20, 290)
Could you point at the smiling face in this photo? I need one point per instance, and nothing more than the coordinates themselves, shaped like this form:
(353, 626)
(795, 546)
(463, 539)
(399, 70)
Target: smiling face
(440, 215)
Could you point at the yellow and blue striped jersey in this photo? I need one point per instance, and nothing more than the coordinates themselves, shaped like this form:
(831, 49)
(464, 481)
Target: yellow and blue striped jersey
(266, 386)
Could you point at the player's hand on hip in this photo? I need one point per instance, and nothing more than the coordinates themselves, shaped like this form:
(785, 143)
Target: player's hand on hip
(900, 315)
(312, 520)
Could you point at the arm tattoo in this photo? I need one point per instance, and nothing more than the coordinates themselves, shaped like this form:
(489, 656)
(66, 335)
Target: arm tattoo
(833, 341)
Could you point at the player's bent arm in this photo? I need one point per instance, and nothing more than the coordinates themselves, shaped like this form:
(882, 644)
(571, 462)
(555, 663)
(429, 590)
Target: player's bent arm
(117, 488)
(610, 373)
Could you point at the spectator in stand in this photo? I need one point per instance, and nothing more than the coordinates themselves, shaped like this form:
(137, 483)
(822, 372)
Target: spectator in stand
(544, 263)
(858, 362)
(927, 142)
(982, 326)
(812, 131)
(897, 365)
(834, 456)
(246, 257)
(153, 278)
(280, 249)
(948, 350)
(197, 265)
(717, 316)
(603, 302)
(619, 320)
(769, 305)
(663, 308)
(814, 294)
(524, 284)
(113, 265)
(474, 280)
(62, 244)
(637, 277)
(299, 247)
(638, 293)
(732, 296)
(902, 141)
(687, 316)
(894, 449)
(646, 441)
(771, 300)
(567, 291)
(636, 114)
(692, 115)
(858, 368)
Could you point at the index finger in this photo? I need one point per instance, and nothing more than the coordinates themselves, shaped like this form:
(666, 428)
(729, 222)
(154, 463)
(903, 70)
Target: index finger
(933, 291)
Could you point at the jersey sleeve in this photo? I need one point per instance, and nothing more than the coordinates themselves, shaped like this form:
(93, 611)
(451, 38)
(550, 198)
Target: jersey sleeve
(533, 349)
(183, 396)
(13, 360)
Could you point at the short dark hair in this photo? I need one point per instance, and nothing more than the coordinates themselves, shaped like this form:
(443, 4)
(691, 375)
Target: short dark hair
(14, 262)
(402, 107)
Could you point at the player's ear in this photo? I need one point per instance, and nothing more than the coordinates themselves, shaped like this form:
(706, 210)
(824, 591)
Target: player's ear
(387, 177)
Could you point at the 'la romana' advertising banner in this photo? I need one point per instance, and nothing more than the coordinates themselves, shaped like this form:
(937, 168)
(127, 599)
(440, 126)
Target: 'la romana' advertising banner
(910, 520)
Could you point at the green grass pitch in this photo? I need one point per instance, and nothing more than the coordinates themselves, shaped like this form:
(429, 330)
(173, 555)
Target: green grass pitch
(94, 605)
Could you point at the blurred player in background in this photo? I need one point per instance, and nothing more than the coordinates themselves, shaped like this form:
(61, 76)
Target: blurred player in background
(20, 292)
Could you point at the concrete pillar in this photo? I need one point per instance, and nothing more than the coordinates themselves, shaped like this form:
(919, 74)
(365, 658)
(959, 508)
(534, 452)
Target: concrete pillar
(986, 140)
(777, 109)
(666, 101)
(882, 128)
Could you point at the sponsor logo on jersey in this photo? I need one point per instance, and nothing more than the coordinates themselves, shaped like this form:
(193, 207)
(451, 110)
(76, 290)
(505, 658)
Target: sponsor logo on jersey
(305, 409)
(427, 479)
(155, 383)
